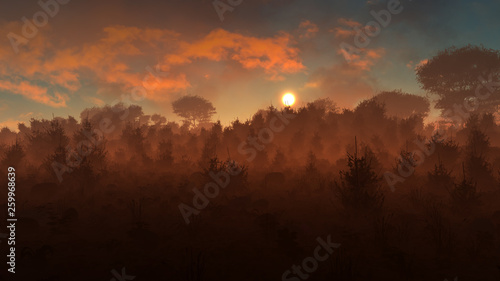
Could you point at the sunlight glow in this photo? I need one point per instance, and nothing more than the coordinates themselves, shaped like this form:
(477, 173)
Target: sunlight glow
(288, 99)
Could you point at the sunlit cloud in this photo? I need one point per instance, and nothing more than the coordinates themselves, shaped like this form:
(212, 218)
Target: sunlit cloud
(109, 61)
(274, 55)
(10, 123)
(364, 59)
(349, 22)
(94, 100)
(308, 29)
(35, 93)
(412, 65)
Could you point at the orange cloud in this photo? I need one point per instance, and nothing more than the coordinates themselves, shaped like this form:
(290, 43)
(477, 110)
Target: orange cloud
(343, 33)
(94, 100)
(347, 28)
(422, 62)
(66, 79)
(364, 59)
(345, 83)
(111, 61)
(349, 22)
(308, 29)
(11, 124)
(35, 93)
(273, 55)
(412, 65)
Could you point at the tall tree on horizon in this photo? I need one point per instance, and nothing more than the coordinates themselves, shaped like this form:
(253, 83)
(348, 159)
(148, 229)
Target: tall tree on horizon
(464, 77)
(194, 109)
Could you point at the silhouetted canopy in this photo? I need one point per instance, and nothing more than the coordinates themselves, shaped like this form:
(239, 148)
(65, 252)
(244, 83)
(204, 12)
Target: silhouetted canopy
(193, 109)
(403, 105)
(456, 76)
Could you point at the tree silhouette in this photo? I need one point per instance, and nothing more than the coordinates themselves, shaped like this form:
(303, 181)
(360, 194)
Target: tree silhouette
(403, 105)
(13, 155)
(440, 177)
(194, 109)
(44, 138)
(359, 186)
(91, 148)
(455, 74)
(211, 142)
(477, 149)
(464, 196)
(165, 152)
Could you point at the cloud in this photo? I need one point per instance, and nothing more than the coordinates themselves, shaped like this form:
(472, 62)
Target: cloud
(10, 123)
(26, 115)
(349, 22)
(308, 29)
(273, 55)
(364, 58)
(111, 61)
(412, 65)
(422, 62)
(346, 30)
(341, 32)
(347, 85)
(94, 100)
(35, 93)
(66, 79)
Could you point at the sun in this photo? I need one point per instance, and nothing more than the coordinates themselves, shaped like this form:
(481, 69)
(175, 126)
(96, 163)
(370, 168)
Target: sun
(288, 99)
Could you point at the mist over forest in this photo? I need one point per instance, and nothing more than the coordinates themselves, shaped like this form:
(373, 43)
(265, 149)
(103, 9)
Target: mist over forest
(397, 197)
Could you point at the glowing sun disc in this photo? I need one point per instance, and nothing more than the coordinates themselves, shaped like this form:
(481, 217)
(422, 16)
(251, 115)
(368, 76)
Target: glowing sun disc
(288, 99)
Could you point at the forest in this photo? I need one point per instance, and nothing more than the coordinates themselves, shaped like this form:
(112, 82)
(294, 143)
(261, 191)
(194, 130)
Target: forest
(404, 197)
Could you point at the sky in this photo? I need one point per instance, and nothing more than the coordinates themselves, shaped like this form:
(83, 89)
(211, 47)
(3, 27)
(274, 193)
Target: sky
(241, 55)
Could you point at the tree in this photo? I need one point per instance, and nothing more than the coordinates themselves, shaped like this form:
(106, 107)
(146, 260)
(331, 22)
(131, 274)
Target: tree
(91, 148)
(165, 152)
(324, 104)
(464, 196)
(403, 105)
(457, 76)
(194, 109)
(210, 146)
(477, 149)
(13, 156)
(359, 187)
(44, 138)
(134, 140)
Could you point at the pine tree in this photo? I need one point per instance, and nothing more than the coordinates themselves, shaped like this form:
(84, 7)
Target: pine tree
(476, 151)
(464, 196)
(165, 152)
(440, 177)
(359, 187)
(13, 156)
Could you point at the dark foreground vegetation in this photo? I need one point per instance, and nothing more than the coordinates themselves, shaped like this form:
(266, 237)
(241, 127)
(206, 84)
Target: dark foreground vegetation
(328, 172)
